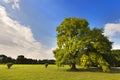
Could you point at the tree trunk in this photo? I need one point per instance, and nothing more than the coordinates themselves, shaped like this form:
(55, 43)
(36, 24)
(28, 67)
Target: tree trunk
(73, 66)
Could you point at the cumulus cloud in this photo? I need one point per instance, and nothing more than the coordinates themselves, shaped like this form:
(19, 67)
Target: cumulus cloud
(17, 39)
(14, 3)
(112, 30)
(6, 1)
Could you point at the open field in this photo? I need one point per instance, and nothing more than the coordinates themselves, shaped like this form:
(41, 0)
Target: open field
(39, 72)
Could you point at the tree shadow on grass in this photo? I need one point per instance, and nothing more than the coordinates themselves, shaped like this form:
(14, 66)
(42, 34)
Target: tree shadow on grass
(112, 70)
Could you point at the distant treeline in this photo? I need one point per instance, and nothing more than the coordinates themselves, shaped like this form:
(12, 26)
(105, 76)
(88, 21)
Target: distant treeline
(113, 58)
(23, 60)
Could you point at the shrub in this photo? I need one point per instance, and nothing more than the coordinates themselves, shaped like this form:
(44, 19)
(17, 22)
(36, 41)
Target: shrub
(46, 65)
(9, 65)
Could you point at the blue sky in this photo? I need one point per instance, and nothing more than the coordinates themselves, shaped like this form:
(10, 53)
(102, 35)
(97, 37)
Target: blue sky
(41, 17)
(44, 15)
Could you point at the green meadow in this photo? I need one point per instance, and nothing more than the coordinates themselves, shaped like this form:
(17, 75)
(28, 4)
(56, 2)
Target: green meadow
(39, 72)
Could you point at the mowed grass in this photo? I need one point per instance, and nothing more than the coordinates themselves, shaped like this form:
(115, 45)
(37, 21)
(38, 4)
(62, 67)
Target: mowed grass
(39, 72)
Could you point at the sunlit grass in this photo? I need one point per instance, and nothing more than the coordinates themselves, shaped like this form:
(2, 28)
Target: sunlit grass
(39, 72)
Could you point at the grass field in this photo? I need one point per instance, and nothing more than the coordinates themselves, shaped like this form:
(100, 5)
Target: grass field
(39, 72)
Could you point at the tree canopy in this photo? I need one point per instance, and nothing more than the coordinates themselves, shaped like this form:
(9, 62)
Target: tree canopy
(80, 45)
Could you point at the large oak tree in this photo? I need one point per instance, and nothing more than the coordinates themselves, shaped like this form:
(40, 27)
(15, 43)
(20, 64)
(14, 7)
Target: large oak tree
(80, 45)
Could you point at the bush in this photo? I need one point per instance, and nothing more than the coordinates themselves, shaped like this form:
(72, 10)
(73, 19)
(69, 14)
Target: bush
(46, 65)
(9, 65)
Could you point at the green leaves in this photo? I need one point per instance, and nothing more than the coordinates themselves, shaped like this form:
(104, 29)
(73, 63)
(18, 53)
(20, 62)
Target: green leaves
(78, 44)
(9, 65)
(85, 61)
(96, 59)
(103, 64)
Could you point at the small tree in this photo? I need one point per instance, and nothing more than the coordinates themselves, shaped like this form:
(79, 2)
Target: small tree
(46, 65)
(9, 65)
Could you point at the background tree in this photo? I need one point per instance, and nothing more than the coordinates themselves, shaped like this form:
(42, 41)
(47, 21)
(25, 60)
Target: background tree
(9, 65)
(78, 44)
(3, 59)
(20, 59)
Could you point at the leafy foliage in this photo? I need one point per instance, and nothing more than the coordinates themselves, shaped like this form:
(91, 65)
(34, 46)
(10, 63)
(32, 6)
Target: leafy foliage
(4, 59)
(23, 60)
(78, 44)
(46, 65)
(9, 65)
(116, 55)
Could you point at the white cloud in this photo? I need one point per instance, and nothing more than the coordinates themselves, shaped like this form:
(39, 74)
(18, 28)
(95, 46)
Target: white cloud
(6, 1)
(112, 30)
(14, 3)
(17, 39)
